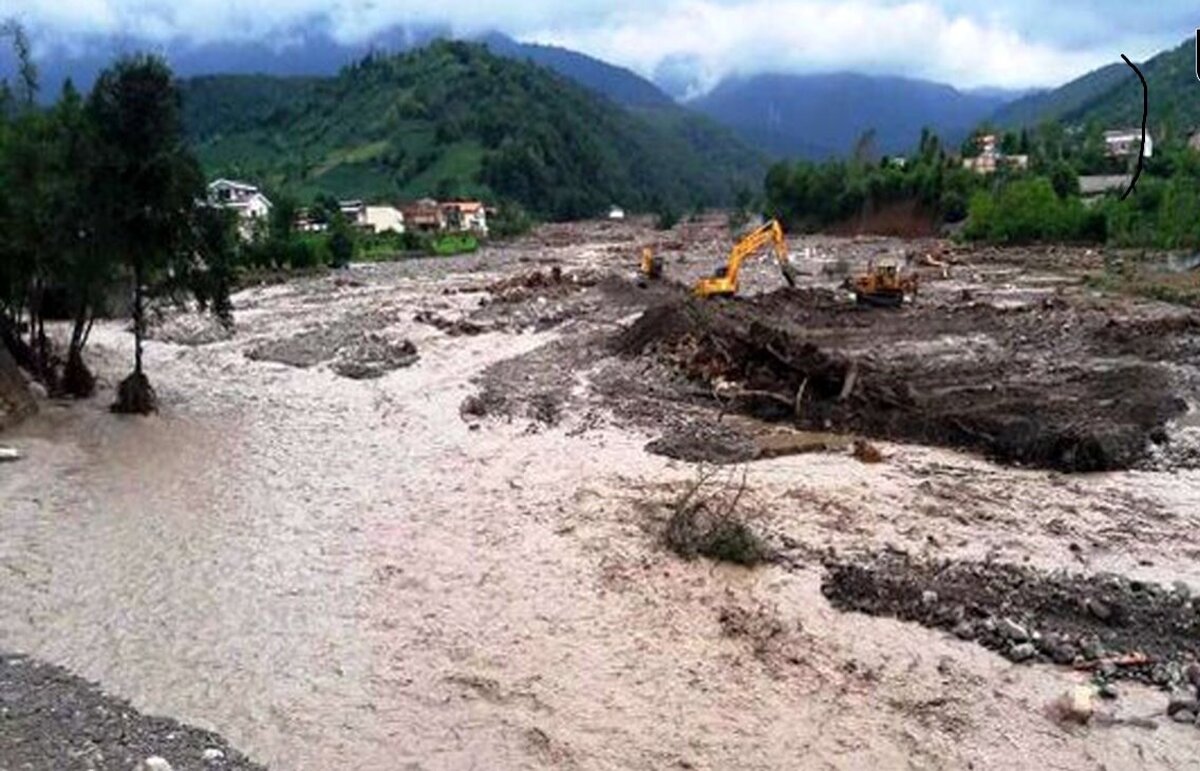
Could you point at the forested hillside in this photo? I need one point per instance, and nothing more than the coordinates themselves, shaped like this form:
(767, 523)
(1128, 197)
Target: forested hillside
(1112, 96)
(454, 119)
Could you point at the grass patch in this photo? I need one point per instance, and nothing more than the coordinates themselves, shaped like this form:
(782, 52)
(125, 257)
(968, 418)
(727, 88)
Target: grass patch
(1176, 288)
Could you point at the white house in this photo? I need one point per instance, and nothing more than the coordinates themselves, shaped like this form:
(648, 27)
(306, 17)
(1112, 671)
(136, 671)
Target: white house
(616, 213)
(467, 216)
(1125, 143)
(384, 219)
(245, 199)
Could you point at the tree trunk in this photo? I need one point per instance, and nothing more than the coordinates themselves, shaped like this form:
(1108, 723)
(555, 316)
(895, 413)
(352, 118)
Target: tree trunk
(138, 321)
(78, 380)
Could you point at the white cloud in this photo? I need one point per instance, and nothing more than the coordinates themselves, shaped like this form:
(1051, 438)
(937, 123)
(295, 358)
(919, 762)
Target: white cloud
(1005, 43)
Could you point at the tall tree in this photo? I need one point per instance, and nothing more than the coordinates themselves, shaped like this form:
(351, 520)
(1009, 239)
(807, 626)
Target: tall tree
(151, 185)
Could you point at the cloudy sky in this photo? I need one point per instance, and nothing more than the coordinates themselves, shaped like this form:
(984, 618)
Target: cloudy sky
(968, 43)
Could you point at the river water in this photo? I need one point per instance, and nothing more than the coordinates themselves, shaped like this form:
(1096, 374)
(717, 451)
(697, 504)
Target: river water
(342, 574)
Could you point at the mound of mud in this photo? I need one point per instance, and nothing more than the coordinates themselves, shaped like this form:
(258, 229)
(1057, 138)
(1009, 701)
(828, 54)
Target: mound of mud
(1107, 623)
(709, 443)
(353, 352)
(1024, 387)
(373, 357)
(537, 283)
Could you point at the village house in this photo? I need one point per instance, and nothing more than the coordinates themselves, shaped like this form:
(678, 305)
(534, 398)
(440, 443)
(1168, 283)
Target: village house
(424, 216)
(355, 213)
(383, 219)
(616, 213)
(245, 199)
(468, 216)
(1126, 143)
(991, 158)
(1194, 141)
(1093, 187)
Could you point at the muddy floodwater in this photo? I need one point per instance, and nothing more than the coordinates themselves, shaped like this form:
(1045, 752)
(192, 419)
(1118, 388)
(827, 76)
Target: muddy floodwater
(336, 571)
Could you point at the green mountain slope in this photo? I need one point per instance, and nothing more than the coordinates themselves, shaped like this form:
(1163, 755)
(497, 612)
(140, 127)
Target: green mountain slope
(453, 119)
(1112, 96)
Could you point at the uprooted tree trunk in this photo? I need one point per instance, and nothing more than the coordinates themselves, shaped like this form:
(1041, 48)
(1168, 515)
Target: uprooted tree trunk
(135, 395)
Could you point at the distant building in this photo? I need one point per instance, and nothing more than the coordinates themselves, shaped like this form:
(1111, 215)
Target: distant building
(616, 213)
(424, 216)
(306, 223)
(1194, 141)
(991, 158)
(245, 199)
(469, 216)
(383, 219)
(355, 213)
(1125, 143)
(1095, 185)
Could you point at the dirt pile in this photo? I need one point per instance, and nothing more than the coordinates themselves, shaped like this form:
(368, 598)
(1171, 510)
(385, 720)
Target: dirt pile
(1108, 624)
(1030, 386)
(537, 283)
(348, 347)
(452, 327)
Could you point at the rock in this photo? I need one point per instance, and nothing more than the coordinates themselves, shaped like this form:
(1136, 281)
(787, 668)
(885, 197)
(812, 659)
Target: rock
(1192, 673)
(964, 630)
(1011, 630)
(1098, 609)
(1184, 716)
(1109, 691)
(9, 454)
(1077, 705)
(1022, 652)
(1182, 700)
(1182, 589)
(1064, 653)
(929, 597)
(1091, 649)
(213, 755)
(155, 763)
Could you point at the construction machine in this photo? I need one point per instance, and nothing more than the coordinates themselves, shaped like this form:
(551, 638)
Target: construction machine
(882, 285)
(724, 281)
(652, 264)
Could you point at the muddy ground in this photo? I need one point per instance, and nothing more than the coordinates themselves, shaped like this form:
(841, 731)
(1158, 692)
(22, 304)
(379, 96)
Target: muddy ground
(461, 558)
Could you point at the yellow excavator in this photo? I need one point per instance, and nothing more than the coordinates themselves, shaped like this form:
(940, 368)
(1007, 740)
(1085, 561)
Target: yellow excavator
(724, 282)
(652, 264)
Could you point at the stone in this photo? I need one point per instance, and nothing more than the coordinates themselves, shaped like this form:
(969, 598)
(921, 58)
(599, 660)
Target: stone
(1063, 653)
(929, 597)
(1182, 701)
(9, 454)
(964, 630)
(1011, 630)
(1109, 691)
(155, 763)
(1184, 716)
(1091, 649)
(1193, 674)
(212, 755)
(1077, 705)
(1182, 589)
(1022, 652)
(1098, 609)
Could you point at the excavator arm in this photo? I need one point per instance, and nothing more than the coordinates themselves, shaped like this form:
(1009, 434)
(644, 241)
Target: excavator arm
(725, 281)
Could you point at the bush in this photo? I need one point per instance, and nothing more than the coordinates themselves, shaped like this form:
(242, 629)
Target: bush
(697, 528)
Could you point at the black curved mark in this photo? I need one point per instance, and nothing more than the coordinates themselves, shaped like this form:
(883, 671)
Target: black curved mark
(1145, 113)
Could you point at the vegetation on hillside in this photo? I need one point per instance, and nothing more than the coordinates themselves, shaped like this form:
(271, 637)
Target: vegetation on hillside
(451, 119)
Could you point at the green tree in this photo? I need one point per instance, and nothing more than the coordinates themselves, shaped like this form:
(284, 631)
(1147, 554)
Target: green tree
(150, 184)
(341, 241)
(217, 246)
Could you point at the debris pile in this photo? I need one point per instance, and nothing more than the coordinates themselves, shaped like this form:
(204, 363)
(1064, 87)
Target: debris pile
(1111, 626)
(453, 328)
(373, 357)
(1030, 386)
(552, 283)
(352, 350)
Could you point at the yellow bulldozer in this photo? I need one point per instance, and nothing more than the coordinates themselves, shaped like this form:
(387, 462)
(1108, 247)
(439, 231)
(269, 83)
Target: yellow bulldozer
(724, 282)
(882, 285)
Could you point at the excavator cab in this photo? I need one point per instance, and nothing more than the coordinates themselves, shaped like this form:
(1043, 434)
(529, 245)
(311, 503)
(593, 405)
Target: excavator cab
(652, 264)
(724, 280)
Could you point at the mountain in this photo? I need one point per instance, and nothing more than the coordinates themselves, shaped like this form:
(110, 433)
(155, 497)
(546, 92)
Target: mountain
(452, 118)
(1112, 96)
(821, 116)
(617, 83)
(312, 49)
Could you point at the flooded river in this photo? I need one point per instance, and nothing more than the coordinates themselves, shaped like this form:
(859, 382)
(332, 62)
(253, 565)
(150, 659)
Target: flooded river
(344, 574)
